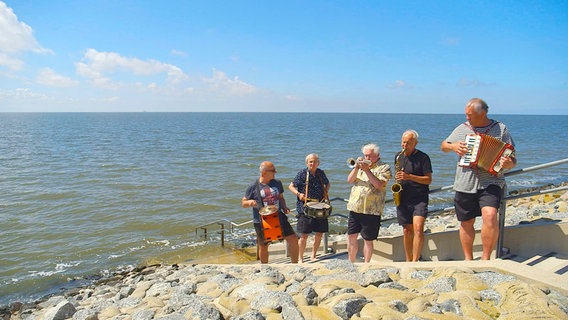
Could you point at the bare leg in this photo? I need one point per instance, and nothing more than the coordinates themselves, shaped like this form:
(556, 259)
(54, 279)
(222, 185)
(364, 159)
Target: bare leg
(368, 250)
(489, 231)
(407, 240)
(418, 241)
(263, 253)
(292, 242)
(302, 246)
(317, 241)
(467, 235)
(352, 246)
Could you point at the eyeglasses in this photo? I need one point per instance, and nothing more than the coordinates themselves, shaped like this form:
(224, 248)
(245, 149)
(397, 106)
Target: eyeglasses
(272, 170)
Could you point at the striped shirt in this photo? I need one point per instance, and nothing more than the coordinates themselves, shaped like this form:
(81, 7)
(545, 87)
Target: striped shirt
(469, 180)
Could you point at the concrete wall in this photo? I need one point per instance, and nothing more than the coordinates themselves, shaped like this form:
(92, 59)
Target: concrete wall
(523, 240)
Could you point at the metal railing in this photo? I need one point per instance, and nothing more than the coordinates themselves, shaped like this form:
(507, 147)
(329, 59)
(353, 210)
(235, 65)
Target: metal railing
(502, 208)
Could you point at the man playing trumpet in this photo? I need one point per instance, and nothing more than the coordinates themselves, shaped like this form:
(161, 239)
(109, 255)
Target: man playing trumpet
(414, 174)
(369, 178)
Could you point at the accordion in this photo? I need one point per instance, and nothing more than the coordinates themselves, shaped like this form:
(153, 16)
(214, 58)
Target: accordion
(484, 152)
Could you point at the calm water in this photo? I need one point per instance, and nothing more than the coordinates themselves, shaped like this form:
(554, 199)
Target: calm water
(84, 194)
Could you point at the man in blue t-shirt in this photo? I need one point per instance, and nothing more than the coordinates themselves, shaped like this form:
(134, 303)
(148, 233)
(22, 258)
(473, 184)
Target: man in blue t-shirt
(265, 192)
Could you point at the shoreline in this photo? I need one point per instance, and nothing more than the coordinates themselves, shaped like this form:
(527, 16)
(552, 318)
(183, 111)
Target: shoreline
(546, 206)
(332, 289)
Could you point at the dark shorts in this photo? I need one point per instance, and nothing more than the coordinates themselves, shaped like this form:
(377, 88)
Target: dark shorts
(405, 212)
(366, 224)
(468, 205)
(284, 225)
(308, 224)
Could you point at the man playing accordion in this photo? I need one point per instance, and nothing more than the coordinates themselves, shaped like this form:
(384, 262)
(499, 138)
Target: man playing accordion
(478, 192)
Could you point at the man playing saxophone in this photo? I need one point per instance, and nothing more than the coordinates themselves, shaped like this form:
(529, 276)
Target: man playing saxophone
(414, 174)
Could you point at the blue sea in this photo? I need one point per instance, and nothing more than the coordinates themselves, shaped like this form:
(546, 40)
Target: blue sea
(84, 195)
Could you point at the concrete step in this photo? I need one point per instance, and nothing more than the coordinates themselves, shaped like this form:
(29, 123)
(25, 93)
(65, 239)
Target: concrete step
(550, 262)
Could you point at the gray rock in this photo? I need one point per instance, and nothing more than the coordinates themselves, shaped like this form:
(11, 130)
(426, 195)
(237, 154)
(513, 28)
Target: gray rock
(374, 277)
(341, 265)
(143, 315)
(393, 285)
(158, 289)
(85, 314)
(421, 274)
(448, 306)
(251, 315)
(349, 307)
(444, 284)
(311, 296)
(398, 306)
(280, 301)
(490, 295)
(61, 311)
(493, 278)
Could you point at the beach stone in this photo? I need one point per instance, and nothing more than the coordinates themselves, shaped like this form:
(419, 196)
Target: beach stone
(277, 301)
(442, 284)
(198, 309)
(143, 315)
(348, 304)
(85, 315)
(63, 310)
(251, 315)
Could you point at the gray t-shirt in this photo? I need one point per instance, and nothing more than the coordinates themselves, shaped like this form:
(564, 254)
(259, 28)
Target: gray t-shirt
(469, 180)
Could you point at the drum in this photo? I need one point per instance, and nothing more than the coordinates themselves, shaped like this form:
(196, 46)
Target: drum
(318, 210)
(270, 224)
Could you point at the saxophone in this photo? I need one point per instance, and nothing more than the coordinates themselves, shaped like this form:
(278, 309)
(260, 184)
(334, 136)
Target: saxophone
(396, 188)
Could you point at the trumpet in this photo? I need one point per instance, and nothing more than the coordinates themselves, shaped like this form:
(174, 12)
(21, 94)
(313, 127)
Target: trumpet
(396, 188)
(351, 162)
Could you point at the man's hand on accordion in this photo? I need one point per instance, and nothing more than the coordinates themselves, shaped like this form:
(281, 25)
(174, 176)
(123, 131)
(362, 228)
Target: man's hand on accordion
(460, 148)
(508, 162)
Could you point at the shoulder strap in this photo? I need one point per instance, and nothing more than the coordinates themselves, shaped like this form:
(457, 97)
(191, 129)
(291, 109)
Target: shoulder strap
(325, 195)
(491, 125)
(307, 184)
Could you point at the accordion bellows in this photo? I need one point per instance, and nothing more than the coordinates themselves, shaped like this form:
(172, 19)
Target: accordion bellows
(484, 152)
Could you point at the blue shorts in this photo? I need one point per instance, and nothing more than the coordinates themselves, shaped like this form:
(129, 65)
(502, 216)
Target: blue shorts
(367, 225)
(468, 205)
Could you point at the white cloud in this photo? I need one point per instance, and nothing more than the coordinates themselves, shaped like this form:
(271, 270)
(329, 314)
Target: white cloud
(178, 53)
(220, 82)
(49, 77)
(399, 84)
(97, 66)
(464, 82)
(21, 93)
(15, 37)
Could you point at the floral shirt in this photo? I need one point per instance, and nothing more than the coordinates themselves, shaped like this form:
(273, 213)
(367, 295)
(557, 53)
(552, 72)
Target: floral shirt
(364, 197)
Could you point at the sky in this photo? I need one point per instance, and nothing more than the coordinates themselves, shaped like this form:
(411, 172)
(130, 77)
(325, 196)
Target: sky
(388, 56)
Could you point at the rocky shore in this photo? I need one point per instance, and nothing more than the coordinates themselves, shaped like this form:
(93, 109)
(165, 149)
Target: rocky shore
(336, 289)
(331, 289)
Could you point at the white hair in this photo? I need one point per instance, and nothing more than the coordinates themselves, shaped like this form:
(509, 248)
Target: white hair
(370, 146)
